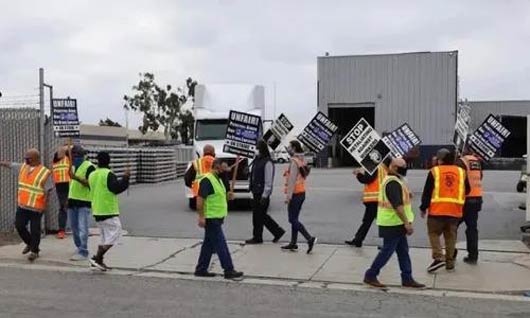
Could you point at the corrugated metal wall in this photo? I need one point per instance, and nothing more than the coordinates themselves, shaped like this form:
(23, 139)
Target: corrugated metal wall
(481, 109)
(417, 88)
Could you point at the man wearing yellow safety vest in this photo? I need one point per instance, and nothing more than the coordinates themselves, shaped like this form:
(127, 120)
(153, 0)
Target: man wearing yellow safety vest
(61, 178)
(443, 197)
(105, 188)
(473, 204)
(34, 185)
(197, 170)
(371, 183)
(79, 201)
(212, 206)
(394, 218)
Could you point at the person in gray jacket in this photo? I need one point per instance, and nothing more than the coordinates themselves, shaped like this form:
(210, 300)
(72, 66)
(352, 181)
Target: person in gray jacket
(261, 180)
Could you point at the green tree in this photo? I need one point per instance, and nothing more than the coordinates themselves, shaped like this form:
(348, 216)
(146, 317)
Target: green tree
(185, 127)
(109, 122)
(160, 105)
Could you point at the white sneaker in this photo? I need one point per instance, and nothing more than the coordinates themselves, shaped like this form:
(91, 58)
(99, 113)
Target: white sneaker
(78, 257)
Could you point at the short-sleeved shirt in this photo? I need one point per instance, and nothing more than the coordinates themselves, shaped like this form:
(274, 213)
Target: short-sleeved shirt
(206, 187)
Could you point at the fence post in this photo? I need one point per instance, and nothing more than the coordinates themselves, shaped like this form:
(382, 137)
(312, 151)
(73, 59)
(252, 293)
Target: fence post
(41, 107)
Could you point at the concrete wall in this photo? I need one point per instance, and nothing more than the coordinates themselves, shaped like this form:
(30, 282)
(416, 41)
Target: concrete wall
(418, 88)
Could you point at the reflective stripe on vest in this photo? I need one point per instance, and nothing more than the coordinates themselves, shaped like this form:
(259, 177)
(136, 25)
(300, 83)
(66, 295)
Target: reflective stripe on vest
(448, 195)
(60, 170)
(473, 169)
(386, 214)
(77, 190)
(299, 186)
(216, 204)
(31, 187)
(371, 190)
(202, 167)
(104, 202)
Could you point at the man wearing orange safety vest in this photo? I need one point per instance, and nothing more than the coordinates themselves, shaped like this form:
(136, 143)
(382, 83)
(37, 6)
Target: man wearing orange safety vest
(443, 197)
(473, 204)
(34, 185)
(61, 178)
(372, 183)
(199, 168)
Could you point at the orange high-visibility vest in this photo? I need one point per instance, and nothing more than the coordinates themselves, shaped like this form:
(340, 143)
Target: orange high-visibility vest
(371, 190)
(202, 167)
(299, 186)
(31, 187)
(473, 169)
(448, 195)
(60, 170)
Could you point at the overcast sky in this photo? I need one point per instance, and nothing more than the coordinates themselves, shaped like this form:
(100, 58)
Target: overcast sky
(94, 50)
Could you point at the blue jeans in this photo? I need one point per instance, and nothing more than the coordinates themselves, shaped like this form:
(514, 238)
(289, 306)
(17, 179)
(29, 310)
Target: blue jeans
(214, 242)
(294, 208)
(79, 218)
(400, 245)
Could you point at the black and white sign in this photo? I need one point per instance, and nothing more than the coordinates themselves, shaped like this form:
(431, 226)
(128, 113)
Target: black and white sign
(463, 120)
(488, 138)
(65, 118)
(365, 145)
(401, 140)
(278, 131)
(242, 134)
(317, 134)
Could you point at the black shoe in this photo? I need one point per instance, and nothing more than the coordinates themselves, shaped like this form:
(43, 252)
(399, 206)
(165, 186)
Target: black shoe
(253, 241)
(413, 284)
(450, 268)
(204, 274)
(455, 254)
(95, 263)
(310, 244)
(470, 261)
(105, 265)
(435, 266)
(354, 243)
(33, 256)
(26, 250)
(290, 247)
(233, 275)
(278, 236)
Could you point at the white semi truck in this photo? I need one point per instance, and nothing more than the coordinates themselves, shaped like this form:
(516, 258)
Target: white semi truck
(211, 109)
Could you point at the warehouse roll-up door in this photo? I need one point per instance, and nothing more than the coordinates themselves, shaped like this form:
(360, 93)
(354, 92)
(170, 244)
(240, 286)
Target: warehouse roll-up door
(515, 145)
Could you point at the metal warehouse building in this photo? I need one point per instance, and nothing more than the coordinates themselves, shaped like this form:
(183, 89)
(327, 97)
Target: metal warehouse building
(388, 90)
(512, 114)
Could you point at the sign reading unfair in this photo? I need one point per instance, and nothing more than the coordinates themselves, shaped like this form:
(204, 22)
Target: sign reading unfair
(365, 145)
(278, 131)
(242, 134)
(317, 134)
(488, 138)
(65, 118)
(401, 140)
(462, 127)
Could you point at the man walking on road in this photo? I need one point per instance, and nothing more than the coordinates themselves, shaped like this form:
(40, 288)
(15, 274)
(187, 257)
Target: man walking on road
(394, 218)
(34, 185)
(261, 180)
(212, 206)
(372, 183)
(443, 197)
(61, 178)
(473, 204)
(105, 188)
(79, 201)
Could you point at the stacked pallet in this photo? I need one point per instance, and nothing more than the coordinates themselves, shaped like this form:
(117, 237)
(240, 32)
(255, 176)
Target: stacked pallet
(157, 165)
(121, 159)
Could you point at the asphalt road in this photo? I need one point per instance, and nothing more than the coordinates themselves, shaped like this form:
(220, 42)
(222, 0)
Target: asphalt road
(332, 211)
(34, 293)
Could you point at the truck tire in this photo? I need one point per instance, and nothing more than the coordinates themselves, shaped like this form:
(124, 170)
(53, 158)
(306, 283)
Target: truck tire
(192, 204)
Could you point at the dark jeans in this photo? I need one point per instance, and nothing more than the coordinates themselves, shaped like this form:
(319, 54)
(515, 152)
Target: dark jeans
(294, 208)
(471, 219)
(400, 245)
(260, 218)
(214, 242)
(31, 238)
(62, 196)
(370, 213)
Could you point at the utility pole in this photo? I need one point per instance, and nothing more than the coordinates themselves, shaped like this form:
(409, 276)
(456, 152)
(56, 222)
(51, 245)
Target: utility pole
(42, 114)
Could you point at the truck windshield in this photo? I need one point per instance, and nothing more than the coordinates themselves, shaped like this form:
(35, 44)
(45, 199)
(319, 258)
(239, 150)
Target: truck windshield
(212, 129)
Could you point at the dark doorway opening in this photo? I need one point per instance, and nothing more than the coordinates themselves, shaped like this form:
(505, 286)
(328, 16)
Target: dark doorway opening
(345, 117)
(515, 145)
